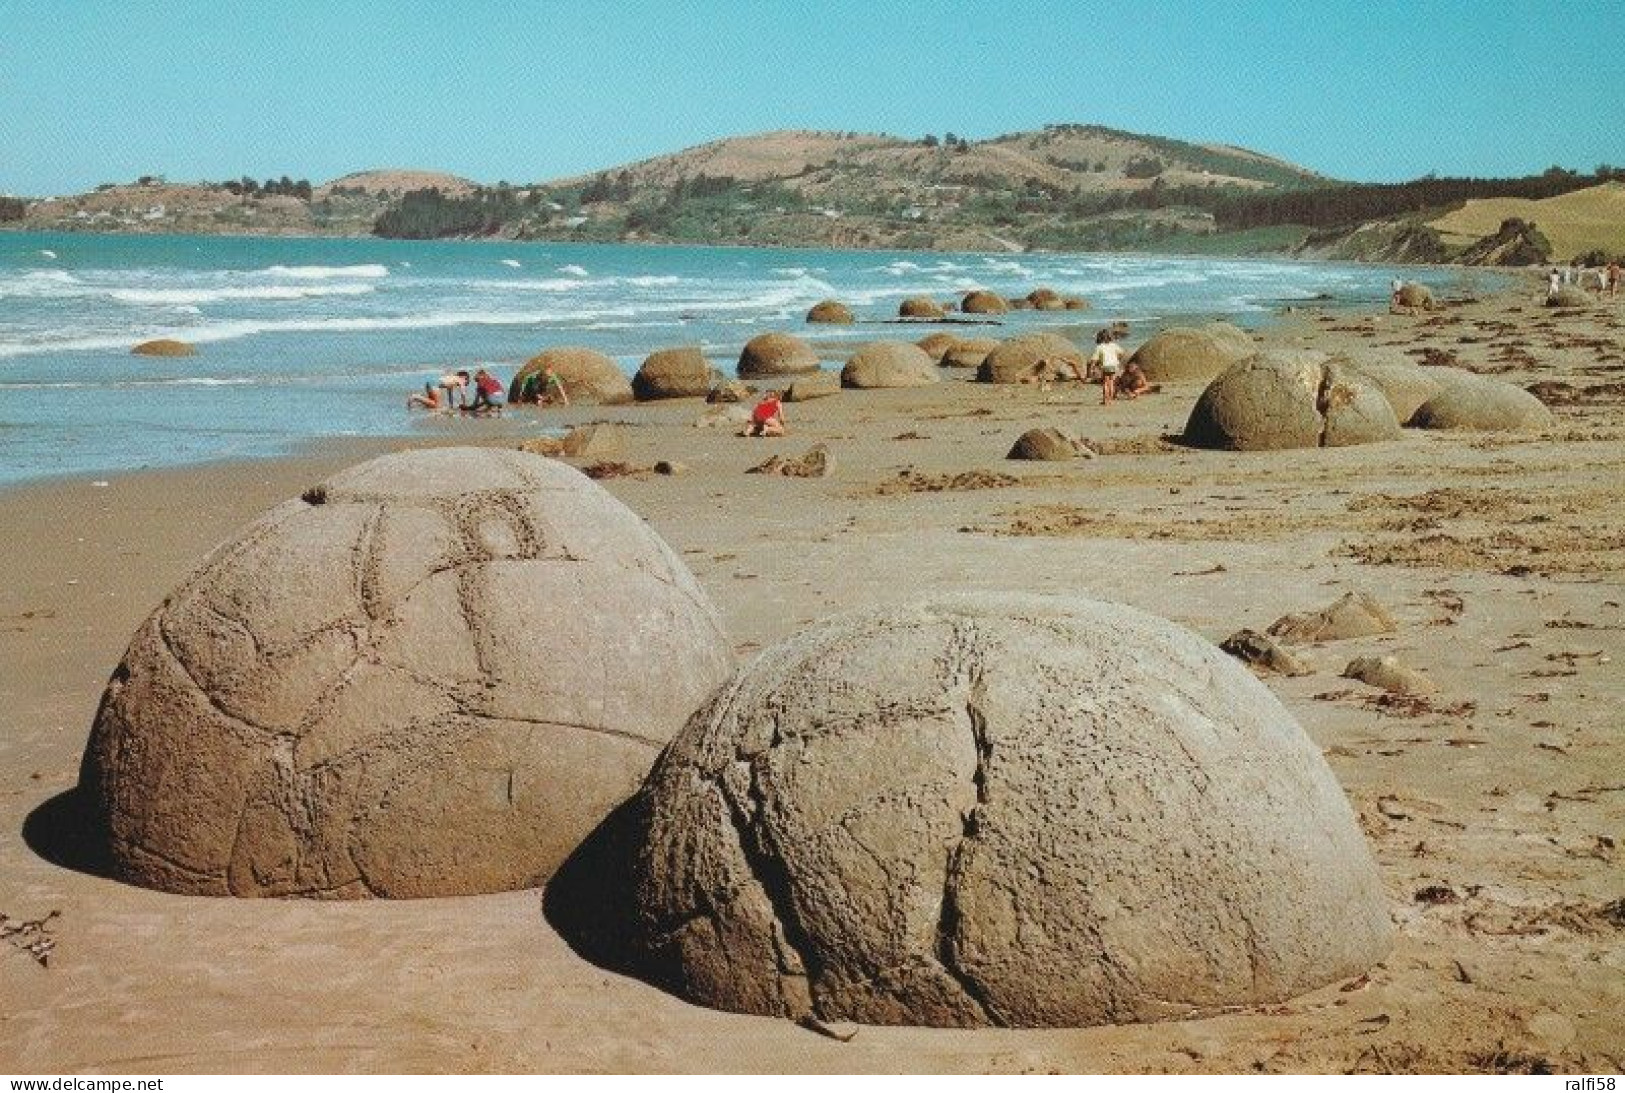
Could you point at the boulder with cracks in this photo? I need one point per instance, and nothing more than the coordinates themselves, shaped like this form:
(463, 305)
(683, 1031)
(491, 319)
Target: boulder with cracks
(1290, 399)
(433, 675)
(1006, 810)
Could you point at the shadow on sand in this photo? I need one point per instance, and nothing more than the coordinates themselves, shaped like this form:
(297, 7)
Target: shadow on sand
(591, 899)
(65, 831)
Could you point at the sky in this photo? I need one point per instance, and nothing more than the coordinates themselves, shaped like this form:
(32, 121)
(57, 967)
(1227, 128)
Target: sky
(97, 91)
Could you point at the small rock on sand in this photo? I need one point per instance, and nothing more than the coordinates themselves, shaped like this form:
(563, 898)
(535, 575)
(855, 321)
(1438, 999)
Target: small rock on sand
(1389, 674)
(1356, 615)
(1052, 445)
(817, 463)
(813, 385)
(600, 443)
(1261, 651)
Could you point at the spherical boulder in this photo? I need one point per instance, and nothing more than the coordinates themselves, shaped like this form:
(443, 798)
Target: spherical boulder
(1028, 359)
(969, 352)
(432, 675)
(1047, 445)
(776, 355)
(1046, 299)
(1289, 399)
(920, 307)
(830, 311)
(890, 364)
(1403, 382)
(588, 375)
(981, 302)
(1484, 405)
(995, 809)
(673, 373)
(935, 345)
(1187, 354)
(164, 347)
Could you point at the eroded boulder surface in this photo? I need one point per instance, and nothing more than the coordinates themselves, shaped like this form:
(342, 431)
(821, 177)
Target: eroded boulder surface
(1193, 354)
(1483, 405)
(1290, 399)
(998, 809)
(968, 352)
(890, 364)
(1352, 615)
(774, 354)
(1031, 358)
(673, 373)
(433, 675)
(982, 302)
(830, 311)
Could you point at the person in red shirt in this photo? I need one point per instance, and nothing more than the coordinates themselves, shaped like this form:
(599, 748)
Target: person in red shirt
(768, 417)
(488, 393)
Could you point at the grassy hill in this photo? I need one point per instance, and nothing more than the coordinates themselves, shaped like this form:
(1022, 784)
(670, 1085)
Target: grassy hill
(1576, 223)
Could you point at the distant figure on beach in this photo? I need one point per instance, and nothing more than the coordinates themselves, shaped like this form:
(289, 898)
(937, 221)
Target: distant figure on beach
(1108, 357)
(455, 388)
(1393, 295)
(1135, 383)
(1611, 275)
(1554, 283)
(768, 417)
(544, 387)
(428, 400)
(488, 393)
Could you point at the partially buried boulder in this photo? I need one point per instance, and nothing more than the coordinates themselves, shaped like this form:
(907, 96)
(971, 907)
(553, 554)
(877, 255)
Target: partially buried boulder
(1390, 675)
(921, 307)
(673, 373)
(935, 345)
(768, 355)
(1405, 384)
(981, 810)
(982, 302)
(164, 347)
(1030, 358)
(1568, 296)
(594, 442)
(889, 364)
(1262, 652)
(813, 385)
(1412, 294)
(1483, 405)
(968, 352)
(830, 311)
(1050, 445)
(1189, 354)
(1353, 615)
(1046, 299)
(1289, 399)
(431, 676)
(588, 376)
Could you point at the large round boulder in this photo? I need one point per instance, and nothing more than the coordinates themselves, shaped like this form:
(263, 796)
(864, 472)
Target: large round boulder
(969, 352)
(1192, 354)
(673, 373)
(1290, 399)
(1028, 359)
(830, 311)
(588, 375)
(1412, 294)
(890, 364)
(999, 810)
(1046, 299)
(1484, 405)
(432, 675)
(774, 354)
(982, 302)
(921, 307)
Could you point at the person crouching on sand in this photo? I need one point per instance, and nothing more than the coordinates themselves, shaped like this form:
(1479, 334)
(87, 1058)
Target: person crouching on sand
(543, 388)
(454, 388)
(768, 417)
(488, 392)
(1108, 357)
(428, 400)
(1134, 382)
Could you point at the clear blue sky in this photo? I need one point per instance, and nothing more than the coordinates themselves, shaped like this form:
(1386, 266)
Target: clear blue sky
(98, 90)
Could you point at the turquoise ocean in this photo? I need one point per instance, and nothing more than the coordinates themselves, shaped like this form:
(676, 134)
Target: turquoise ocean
(303, 339)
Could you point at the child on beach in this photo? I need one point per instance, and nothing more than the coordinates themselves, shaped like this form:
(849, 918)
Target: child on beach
(455, 388)
(544, 387)
(488, 393)
(1108, 357)
(429, 399)
(1135, 382)
(768, 417)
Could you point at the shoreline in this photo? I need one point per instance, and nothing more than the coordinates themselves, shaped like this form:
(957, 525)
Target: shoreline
(1501, 556)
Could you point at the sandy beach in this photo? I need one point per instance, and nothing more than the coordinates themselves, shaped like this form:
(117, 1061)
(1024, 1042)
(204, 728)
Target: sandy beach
(1495, 807)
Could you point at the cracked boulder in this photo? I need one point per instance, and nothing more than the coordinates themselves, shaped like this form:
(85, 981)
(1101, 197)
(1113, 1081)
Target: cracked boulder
(432, 675)
(998, 809)
(1290, 399)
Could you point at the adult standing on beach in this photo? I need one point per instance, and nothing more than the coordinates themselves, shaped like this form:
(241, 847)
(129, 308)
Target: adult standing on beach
(1554, 283)
(1611, 276)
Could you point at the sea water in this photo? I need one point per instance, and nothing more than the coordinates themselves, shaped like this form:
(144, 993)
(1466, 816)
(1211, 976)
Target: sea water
(300, 339)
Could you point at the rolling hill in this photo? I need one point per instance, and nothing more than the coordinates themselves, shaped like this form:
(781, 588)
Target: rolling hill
(1576, 223)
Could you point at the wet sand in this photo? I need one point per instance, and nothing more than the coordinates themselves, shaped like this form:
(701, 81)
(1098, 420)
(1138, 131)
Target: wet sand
(1496, 807)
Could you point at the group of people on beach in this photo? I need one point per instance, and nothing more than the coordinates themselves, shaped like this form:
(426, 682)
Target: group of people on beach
(481, 393)
(1606, 278)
